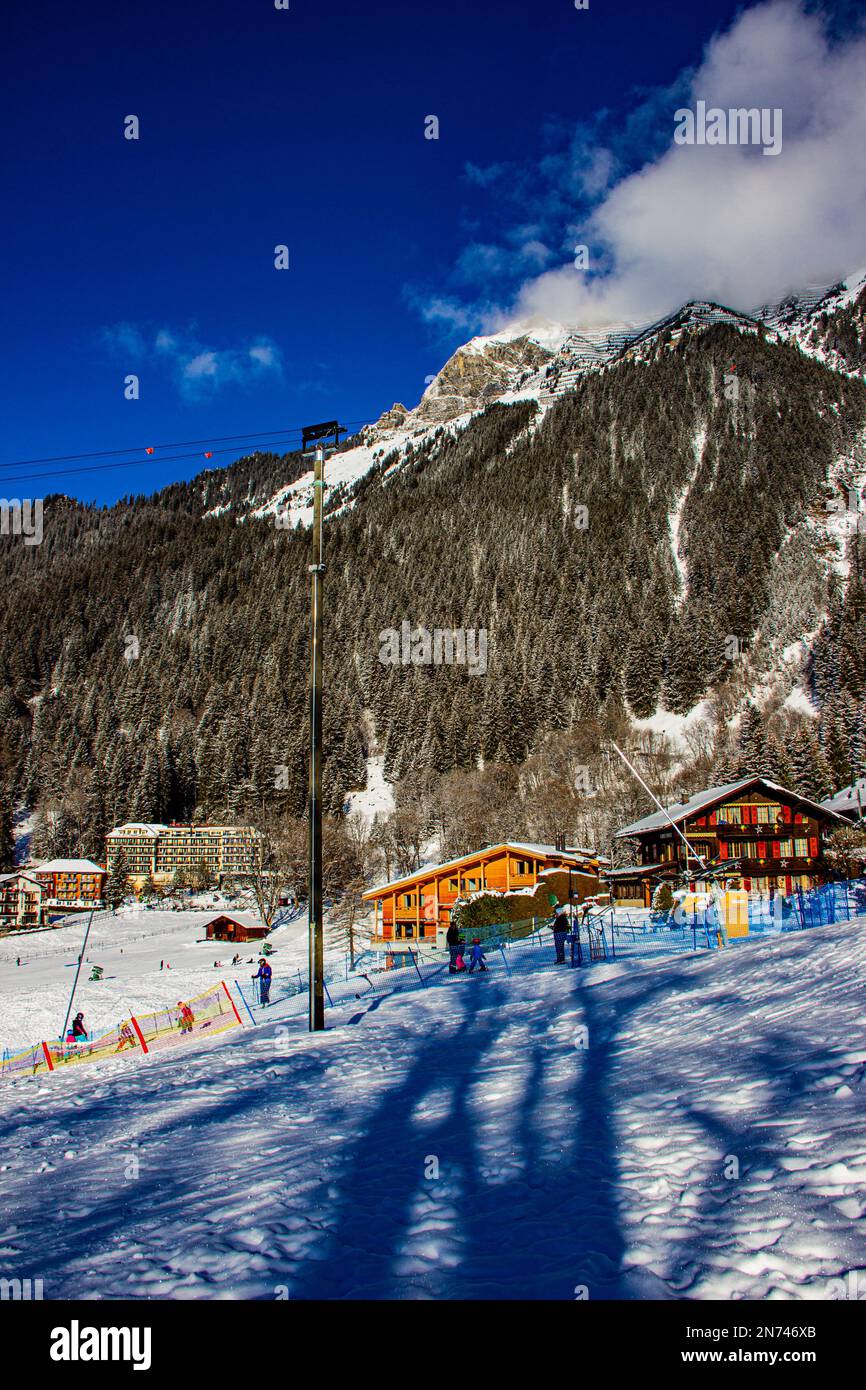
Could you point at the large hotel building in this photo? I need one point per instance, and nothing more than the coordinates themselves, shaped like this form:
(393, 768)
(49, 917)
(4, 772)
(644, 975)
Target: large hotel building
(163, 850)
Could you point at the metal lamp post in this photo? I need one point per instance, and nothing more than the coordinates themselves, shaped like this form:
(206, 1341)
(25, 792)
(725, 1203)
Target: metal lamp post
(318, 435)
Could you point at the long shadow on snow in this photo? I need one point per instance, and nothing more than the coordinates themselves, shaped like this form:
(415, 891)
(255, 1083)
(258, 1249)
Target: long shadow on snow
(551, 1226)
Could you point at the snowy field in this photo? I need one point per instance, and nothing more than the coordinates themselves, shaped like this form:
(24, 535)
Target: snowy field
(687, 1128)
(129, 947)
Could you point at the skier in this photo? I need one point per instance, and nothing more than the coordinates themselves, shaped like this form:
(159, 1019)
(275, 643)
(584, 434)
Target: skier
(264, 978)
(79, 1029)
(459, 963)
(477, 957)
(452, 938)
(561, 928)
(187, 1017)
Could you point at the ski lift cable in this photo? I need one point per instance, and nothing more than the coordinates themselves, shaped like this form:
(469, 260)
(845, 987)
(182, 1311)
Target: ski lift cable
(689, 848)
(127, 463)
(175, 444)
(132, 463)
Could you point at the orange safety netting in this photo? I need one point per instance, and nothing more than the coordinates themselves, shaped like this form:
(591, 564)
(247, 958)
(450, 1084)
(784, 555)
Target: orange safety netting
(26, 1062)
(205, 1015)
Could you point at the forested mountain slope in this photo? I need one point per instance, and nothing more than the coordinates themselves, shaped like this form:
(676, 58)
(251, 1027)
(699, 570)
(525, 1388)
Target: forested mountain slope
(153, 659)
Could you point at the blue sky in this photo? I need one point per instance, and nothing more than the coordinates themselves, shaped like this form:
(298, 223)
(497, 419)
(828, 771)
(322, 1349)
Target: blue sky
(303, 127)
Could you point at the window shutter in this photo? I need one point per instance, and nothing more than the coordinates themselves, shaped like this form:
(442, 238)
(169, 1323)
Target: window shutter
(762, 849)
(777, 849)
(813, 846)
(723, 849)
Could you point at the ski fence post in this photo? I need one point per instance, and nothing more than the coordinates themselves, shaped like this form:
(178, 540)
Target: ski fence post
(504, 961)
(246, 1005)
(802, 908)
(232, 1002)
(417, 971)
(845, 902)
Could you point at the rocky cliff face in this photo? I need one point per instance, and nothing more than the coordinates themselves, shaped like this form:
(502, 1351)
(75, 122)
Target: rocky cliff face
(478, 374)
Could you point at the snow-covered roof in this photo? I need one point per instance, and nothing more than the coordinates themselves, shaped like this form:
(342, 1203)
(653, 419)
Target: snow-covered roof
(244, 919)
(578, 857)
(681, 810)
(551, 849)
(630, 870)
(68, 866)
(849, 799)
(20, 873)
(153, 828)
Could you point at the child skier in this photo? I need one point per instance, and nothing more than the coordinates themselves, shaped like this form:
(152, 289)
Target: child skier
(187, 1017)
(477, 957)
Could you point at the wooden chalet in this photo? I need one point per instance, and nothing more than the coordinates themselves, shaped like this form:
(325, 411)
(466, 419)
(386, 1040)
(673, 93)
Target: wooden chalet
(751, 834)
(418, 906)
(235, 927)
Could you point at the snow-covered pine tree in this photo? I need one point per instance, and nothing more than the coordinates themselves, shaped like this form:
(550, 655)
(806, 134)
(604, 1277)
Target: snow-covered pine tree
(118, 885)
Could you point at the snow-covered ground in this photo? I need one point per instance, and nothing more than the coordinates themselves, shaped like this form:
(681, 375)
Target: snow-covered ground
(377, 798)
(688, 1128)
(129, 947)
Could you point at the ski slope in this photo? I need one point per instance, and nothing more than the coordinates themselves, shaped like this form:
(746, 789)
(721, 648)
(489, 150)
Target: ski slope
(130, 947)
(570, 1134)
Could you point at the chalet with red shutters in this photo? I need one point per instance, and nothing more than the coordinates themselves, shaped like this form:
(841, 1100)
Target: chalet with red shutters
(750, 834)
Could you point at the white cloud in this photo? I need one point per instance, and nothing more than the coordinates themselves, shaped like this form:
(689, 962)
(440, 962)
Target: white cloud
(723, 222)
(197, 369)
(206, 364)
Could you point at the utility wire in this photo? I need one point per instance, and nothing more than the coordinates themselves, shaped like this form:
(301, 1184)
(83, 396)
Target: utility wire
(150, 458)
(176, 444)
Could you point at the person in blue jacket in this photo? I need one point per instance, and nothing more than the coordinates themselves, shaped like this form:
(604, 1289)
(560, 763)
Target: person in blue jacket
(477, 956)
(264, 979)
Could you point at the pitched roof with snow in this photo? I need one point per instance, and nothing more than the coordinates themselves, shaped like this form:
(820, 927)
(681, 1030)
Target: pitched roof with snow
(244, 919)
(152, 828)
(632, 870)
(577, 856)
(68, 866)
(849, 799)
(702, 801)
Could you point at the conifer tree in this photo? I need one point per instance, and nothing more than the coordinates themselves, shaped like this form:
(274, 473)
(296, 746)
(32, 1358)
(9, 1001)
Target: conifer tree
(118, 885)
